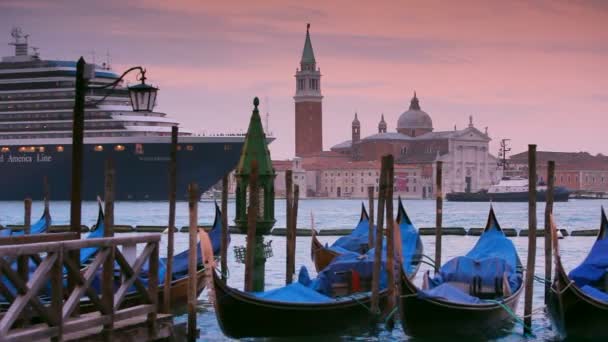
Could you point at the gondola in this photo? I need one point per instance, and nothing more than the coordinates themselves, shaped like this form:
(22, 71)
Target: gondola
(305, 308)
(469, 296)
(179, 282)
(578, 302)
(356, 241)
(41, 226)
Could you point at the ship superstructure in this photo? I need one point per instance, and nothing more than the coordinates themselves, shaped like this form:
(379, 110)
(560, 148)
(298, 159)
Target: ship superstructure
(36, 113)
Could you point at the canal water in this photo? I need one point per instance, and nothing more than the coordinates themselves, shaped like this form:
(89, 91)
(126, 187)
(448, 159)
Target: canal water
(575, 214)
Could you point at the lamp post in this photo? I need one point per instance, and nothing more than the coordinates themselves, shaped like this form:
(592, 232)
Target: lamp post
(143, 98)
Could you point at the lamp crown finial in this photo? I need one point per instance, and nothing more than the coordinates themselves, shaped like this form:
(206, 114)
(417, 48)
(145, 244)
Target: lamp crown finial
(256, 102)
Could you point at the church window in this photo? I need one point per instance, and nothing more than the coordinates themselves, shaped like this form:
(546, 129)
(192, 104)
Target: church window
(370, 173)
(561, 179)
(300, 84)
(376, 189)
(352, 189)
(376, 180)
(414, 189)
(407, 189)
(403, 150)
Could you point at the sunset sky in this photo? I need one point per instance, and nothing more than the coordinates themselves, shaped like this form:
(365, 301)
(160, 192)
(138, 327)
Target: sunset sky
(531, 71)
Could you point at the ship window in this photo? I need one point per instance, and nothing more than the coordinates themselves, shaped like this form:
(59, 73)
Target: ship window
(179, 147)
(119, 148)
(189, 148)
(60, 148)
(27, 149)
(139, 149)
(6, 149)
(41, 149)
(98, 148)
(227, 147)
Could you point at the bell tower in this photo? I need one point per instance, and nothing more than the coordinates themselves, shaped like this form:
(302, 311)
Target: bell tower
(308, 100)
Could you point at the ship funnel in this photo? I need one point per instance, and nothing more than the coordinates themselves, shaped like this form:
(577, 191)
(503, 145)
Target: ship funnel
(19, 41)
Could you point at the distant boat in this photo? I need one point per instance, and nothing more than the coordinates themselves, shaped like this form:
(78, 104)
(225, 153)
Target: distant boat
(509, 189)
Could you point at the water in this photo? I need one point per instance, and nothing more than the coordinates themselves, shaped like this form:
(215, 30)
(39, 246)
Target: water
(575, 214)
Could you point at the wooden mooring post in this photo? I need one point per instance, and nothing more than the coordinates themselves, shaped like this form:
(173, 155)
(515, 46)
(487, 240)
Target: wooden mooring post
(77, 153)
(193, 198)
(252, 215)
(390, 234)
(548, 229)
(108, 265)
(294, 227)
(370, 206)
(438, 214)
(46, 194)
(171, 226)
(224, 238)
(290, 258)
(375, 300)
(529, 285)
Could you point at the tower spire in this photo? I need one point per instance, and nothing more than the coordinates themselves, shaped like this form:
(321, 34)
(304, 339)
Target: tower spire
(308, 55)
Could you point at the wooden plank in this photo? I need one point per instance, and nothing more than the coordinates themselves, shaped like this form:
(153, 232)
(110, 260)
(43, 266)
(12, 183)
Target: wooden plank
(74, 269)
(224, 239)
(107, 276)
(33, 333)
(27, 293)
(78, 290)
(252, 217)
(529, 285)
(56, 308)
(37, 238)
(375, 300)
(132, 274)
(193, 199)
(438, 214)
(288, 221)
(153, 289)
(128, 271)
(548, 230)
(83, 322)
(171, 225)
(44, 247)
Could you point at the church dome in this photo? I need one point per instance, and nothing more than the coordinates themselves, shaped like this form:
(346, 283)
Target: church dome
(414, 119)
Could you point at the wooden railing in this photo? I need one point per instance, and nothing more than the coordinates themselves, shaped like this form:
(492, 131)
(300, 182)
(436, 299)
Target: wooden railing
(35, 312)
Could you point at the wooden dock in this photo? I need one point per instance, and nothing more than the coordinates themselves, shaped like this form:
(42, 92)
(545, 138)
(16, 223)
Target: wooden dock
(39, 308)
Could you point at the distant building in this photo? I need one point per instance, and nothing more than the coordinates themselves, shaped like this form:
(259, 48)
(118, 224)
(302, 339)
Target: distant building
(577, 171)
(308, 101)
(468, 165)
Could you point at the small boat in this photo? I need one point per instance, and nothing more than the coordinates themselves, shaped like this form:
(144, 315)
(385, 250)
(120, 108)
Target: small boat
(337, 300)
(469, 296)
(41, 226)
(510, 189)
(578, 301)
(356, 241)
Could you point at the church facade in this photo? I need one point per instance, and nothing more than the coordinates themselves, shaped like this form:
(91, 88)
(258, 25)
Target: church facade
(468, 165)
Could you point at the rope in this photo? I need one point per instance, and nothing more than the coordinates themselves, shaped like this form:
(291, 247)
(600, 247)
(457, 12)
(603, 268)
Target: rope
(390, 315)
(512, 314)
(563, 290)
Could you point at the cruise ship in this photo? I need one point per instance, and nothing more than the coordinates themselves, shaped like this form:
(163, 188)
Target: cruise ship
(36, 116)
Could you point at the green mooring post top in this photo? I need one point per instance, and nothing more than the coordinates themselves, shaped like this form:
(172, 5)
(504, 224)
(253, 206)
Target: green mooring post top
(255, 147)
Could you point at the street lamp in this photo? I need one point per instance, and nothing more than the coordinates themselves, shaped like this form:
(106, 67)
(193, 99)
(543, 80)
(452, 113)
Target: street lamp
(143, 96)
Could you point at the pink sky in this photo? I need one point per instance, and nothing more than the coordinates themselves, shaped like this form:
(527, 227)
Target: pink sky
(534, 72)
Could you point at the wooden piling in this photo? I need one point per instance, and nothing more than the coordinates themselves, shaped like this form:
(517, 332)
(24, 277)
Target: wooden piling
(531, 239)
(370, 206)
(107, 284)
(252, 215)
(548, 230)
(288, 222)
(224, 238)
(390, 232)
(438, 214)
(77, 152)
(294, 227)
(46, 194)
(23, 261)
(193, 198)
(375, 300)
(171, 226)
